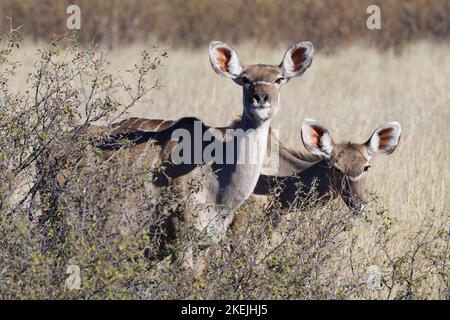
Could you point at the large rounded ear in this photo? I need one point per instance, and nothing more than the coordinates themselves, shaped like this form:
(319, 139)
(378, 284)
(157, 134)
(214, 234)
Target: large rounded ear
(385, 139)
(316, 138)
(224, 60)
(297, 59)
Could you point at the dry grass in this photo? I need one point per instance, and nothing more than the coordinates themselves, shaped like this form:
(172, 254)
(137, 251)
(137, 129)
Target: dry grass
(352, 92)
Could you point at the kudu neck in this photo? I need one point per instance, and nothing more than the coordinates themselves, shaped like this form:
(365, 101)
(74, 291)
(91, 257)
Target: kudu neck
(248, 122)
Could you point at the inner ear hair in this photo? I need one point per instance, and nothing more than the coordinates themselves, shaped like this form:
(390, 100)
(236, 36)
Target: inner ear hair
(297, 59)
(224, 59)
(316, 138)
(385, 139)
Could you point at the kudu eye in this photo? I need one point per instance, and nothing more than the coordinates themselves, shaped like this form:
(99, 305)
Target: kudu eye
(278, 80)
(366, 168)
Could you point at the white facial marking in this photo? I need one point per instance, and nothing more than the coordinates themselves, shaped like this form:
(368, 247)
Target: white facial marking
(355, 178)
(261, 113)
(267, 83)
(256, 104)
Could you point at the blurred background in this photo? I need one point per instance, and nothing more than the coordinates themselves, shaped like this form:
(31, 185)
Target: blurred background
(327, 23)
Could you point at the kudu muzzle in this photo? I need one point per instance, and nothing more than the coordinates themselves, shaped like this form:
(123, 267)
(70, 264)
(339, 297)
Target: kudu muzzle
(353, 195)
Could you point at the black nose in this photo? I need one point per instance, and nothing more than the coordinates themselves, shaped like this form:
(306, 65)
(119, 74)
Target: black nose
(260, 97)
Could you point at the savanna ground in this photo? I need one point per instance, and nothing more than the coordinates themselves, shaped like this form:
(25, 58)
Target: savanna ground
(398, 249)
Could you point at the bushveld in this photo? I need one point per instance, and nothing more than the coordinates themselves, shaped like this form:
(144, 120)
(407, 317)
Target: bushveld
(105, 217)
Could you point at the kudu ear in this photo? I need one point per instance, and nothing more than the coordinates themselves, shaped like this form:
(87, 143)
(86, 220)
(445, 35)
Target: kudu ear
(316, 138)
(224, 60)
(297, 59)
(385, 139)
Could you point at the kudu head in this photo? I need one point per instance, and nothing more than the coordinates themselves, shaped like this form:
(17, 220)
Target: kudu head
(261, 83)
(349, 162)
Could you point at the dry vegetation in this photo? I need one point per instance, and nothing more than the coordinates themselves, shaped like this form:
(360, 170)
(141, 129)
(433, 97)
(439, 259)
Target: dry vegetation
(324, 252)
(327, 23)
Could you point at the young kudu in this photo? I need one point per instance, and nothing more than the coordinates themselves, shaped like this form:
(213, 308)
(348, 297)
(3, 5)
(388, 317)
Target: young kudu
(225, 186)
(333, 169)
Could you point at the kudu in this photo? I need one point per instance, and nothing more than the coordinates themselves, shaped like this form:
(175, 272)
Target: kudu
(304, 180)
(332, 169)
(225, 186)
